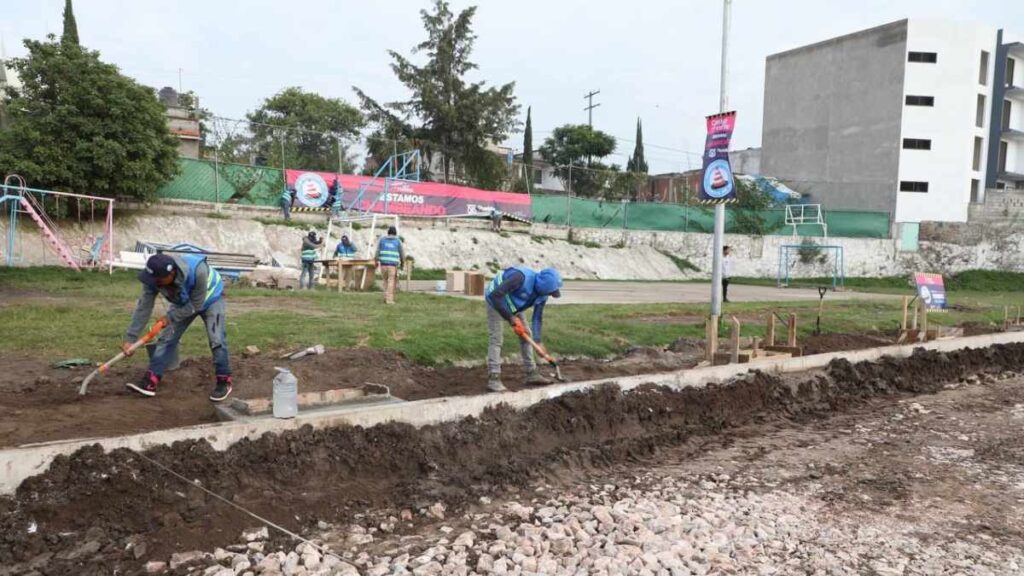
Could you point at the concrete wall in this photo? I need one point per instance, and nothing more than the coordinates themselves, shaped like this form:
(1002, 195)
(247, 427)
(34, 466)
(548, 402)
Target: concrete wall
(622, 255)
(832, 118)
(953, 80)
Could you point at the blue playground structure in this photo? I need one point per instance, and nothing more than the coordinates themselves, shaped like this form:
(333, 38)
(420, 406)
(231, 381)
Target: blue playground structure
(403, 167)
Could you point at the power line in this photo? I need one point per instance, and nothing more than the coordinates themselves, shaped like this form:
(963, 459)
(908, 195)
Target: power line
(590, 106)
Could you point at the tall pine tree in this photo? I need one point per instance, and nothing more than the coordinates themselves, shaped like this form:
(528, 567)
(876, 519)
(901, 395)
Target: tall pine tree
(637, 162)
(528, 146)
(70, 36)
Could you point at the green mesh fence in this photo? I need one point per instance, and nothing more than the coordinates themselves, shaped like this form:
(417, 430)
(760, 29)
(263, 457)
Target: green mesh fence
(260, 185)
(586, 213)
(229, 183)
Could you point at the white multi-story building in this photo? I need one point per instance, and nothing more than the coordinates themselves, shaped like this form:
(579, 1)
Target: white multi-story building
(916, 118)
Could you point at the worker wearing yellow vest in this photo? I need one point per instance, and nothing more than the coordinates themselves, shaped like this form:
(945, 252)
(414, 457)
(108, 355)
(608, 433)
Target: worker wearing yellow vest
(390, 255)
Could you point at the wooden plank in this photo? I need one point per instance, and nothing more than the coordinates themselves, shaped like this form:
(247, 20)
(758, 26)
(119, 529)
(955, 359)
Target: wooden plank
(769, 339)
(735, 337)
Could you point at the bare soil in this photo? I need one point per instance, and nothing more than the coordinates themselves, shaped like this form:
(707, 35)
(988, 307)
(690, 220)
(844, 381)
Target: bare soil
(39, 403)
(91, 510)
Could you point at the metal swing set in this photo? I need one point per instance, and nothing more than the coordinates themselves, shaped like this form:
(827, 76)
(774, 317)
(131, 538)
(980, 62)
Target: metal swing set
(78, 242)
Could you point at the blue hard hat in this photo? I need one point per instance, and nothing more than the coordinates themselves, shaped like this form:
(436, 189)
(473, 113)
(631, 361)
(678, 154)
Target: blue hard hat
(548, 282)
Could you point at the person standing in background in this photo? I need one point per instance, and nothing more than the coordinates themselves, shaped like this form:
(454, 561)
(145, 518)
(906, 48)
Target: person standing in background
(726, 271)
(309, 248)
(390, 255)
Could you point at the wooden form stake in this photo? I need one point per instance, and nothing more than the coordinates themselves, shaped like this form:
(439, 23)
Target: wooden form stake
(922, 309)
(769, 338)
(791, 334)
(711, 337)
(903, 322)
(734, 355)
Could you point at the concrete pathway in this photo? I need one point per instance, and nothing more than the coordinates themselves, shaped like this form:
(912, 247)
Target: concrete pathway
(598, 292)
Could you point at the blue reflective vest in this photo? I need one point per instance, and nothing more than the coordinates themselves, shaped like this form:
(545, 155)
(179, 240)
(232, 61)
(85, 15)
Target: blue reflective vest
(390, 249)
(345, 251)
(214, 283)
(522, 298)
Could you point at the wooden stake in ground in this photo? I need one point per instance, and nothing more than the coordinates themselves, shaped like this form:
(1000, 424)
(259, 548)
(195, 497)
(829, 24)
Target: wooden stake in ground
(711, 337)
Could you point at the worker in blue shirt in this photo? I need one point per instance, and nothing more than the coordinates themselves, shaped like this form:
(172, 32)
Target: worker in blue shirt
(507, 296)
(345, 248)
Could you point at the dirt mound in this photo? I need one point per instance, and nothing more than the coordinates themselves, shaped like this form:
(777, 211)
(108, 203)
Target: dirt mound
(89, 506)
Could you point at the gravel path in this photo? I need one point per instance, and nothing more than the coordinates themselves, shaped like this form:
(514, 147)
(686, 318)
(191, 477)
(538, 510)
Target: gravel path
(926, 485)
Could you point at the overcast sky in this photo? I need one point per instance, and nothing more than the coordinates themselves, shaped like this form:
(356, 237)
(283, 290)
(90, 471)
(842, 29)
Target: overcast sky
(656, 59)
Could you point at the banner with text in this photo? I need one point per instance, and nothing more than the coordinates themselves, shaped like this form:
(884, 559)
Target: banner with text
(931, 289)
(318, 189)
(716, 183)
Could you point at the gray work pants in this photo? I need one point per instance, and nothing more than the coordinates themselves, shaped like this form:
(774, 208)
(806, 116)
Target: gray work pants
(495, 337)
(216, 333)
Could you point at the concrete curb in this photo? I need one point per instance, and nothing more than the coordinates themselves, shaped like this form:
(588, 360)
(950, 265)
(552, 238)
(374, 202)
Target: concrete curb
(17, 464)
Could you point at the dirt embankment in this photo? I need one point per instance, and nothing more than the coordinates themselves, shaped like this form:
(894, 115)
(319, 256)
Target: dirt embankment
(88, 507)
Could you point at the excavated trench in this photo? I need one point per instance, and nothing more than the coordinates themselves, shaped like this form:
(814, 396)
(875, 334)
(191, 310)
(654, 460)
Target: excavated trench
(99, 513)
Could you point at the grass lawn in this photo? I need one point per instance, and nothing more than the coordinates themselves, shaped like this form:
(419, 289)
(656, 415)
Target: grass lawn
(60, 314)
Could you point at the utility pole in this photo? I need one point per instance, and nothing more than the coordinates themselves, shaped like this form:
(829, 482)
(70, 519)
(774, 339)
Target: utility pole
(719, 238)
(590, 106)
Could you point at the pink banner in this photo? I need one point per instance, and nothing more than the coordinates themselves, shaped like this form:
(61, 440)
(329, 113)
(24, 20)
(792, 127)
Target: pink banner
(408, 198)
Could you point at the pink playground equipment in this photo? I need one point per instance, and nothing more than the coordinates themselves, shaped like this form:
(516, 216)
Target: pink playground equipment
(78, 242)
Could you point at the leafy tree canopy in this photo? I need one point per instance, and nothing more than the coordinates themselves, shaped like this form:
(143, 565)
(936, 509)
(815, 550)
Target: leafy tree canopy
(78, 124)
(311, 128)
(447, 116)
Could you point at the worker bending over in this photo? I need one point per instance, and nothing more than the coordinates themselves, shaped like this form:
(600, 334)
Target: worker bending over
(195, 290)
(508, 296)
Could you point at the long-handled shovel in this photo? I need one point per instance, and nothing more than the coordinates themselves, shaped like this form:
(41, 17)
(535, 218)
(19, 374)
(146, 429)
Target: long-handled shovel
(146, 339)
(547, 357)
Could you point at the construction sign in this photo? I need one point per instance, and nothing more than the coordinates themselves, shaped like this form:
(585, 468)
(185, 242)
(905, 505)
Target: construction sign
(931, 290)
(716, 182)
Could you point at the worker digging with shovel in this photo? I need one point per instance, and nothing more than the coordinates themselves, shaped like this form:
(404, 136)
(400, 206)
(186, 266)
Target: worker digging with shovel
(195, 290)
(508, 295)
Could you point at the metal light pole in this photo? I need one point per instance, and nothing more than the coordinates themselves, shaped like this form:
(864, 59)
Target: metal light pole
(716, 256)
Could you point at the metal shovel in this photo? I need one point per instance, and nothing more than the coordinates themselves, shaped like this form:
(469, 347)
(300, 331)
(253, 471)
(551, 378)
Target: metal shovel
(149, 336)
(547, 357)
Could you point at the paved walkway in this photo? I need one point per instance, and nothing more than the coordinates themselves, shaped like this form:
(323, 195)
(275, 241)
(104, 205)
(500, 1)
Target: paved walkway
(598, 292)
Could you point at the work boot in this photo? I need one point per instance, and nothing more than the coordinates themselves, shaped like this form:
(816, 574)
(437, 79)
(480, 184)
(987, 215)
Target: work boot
(222, 389)
(534, 378)
(494, 383)
(147, 384)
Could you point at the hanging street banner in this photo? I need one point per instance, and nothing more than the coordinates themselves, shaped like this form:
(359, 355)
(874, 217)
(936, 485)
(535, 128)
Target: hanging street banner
(403, 197)
(931, 290)
(716, 182)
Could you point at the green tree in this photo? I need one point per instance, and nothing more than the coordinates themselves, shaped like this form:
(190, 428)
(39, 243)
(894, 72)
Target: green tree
(311, 128)
(78, 124)
(748, 212)
(571, 149)
(70, 35)
(449, 117)
(637, 163)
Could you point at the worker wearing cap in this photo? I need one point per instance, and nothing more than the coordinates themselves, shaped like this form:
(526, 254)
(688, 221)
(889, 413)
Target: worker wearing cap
(390, 255)
(507, 296)
(194, 289)
(345, 249)
(308, 256)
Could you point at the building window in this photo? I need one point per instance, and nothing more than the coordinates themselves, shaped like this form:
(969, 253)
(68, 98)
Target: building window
(979, 114)
(538, 176)
(976, 163)
(1002, 155)
(916, 144)
(1006, 115)
(974, 191)
(908, 186)
(926, 57)
(983, 69)
(920, 100)
(1009, 71)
